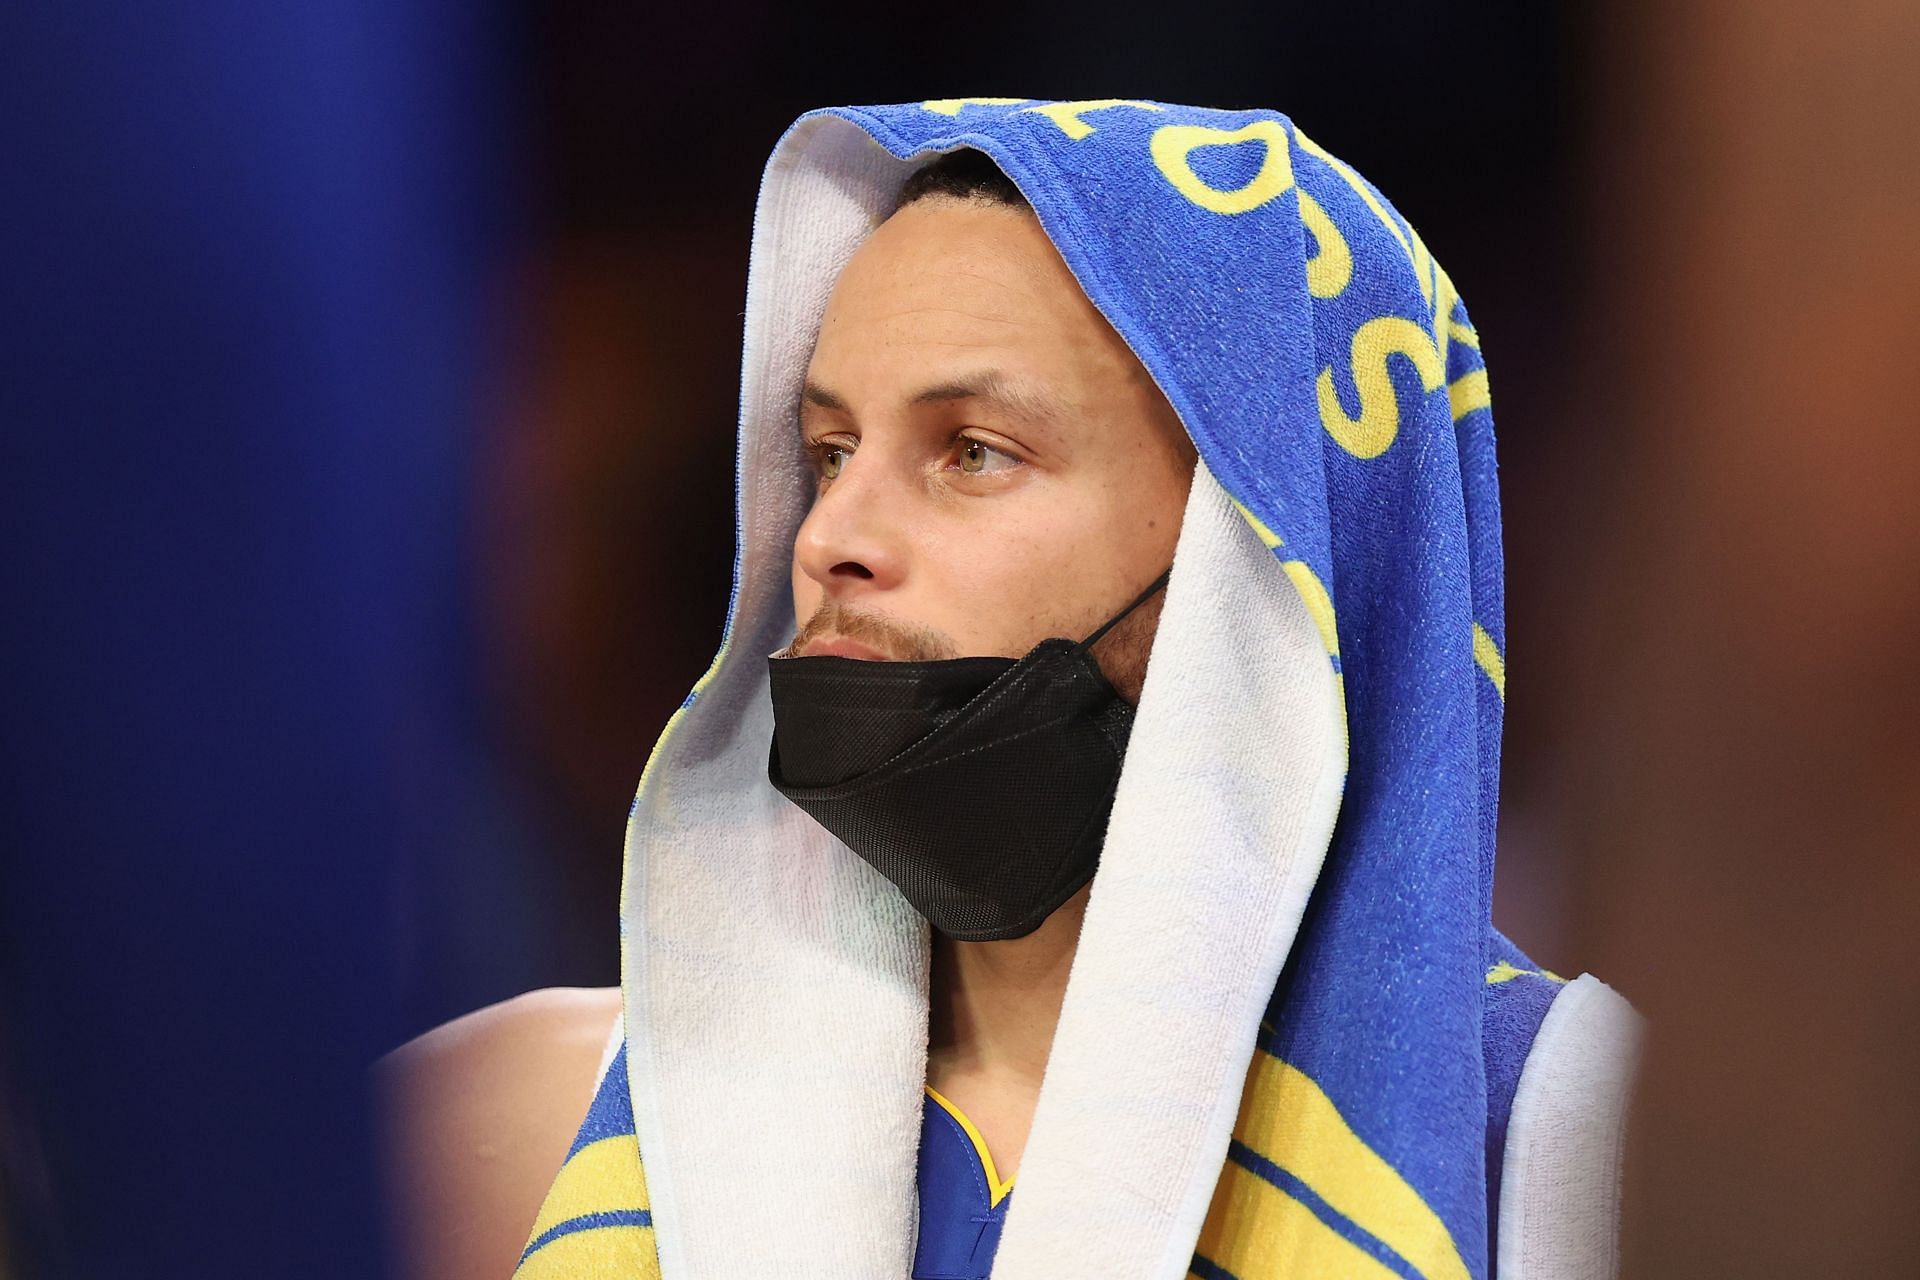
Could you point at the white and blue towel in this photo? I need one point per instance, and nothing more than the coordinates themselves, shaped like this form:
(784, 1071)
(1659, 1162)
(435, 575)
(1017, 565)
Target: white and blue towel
(1289, 934)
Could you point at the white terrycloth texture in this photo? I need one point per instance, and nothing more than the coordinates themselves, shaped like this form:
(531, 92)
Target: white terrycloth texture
(1225, 810)
(611, 1050)
(775, 986)
(1566, 1138)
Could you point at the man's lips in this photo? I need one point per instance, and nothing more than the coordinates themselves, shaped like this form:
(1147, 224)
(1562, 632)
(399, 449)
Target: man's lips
(840, 647)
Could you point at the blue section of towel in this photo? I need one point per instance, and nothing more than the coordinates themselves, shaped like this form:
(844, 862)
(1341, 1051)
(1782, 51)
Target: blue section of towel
(1331, 380)
(611, 1113)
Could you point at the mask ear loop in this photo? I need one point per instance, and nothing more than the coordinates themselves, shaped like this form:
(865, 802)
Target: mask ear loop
(1112, 622)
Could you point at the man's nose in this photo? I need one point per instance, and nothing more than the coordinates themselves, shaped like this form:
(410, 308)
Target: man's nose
(853, 540)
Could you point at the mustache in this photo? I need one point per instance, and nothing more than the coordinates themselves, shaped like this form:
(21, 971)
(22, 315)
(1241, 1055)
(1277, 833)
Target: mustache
(901, 642)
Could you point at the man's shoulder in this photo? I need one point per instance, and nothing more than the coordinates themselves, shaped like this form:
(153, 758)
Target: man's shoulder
(555, 1026)
(479, 1114)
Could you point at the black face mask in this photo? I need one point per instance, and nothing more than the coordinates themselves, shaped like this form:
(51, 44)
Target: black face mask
(979, 786)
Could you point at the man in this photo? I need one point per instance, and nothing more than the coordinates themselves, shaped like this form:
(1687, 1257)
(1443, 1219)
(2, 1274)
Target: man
(869, 971)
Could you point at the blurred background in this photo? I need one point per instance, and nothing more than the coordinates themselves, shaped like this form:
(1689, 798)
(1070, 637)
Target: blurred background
(366, 429)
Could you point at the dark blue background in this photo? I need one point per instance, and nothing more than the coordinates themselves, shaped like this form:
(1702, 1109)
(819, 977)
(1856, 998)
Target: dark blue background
(246, 248)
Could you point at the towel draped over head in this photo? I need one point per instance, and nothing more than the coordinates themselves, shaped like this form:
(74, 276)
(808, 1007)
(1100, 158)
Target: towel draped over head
(1298, 870)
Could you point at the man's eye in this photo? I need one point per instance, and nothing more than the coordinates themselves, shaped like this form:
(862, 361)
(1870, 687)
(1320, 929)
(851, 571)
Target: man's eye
(978, 459)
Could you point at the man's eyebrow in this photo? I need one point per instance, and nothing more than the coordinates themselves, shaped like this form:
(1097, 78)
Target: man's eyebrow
(1011, 396)
(1021, 399)
(814, 393)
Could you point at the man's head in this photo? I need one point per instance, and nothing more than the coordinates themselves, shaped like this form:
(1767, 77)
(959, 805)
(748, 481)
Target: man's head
(994, 465)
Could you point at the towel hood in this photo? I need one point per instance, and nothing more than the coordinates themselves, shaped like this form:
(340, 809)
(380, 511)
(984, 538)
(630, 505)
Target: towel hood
(1301, 849)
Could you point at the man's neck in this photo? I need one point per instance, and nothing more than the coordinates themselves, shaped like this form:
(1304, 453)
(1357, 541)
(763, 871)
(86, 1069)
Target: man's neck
(992, 1011)
(993, 1006)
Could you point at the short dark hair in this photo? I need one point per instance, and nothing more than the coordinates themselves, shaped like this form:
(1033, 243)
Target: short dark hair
(962, 175)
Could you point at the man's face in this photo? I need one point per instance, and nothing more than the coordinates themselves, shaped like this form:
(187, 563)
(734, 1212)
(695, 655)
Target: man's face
(995, 467)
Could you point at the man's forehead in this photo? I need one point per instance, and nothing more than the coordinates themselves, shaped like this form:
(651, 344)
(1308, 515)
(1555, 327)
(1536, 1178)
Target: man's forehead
(967, 261)
(968, 304)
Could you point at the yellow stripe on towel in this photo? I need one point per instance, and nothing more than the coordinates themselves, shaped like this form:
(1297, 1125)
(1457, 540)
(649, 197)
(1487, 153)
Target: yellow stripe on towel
(1289, 1120)
(586, 1226)
(1268, 538)
(1256, 1231)
(602, 1177)
(1313, 594)
(1469, 392)
(1487, 654)
(1507, 971)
